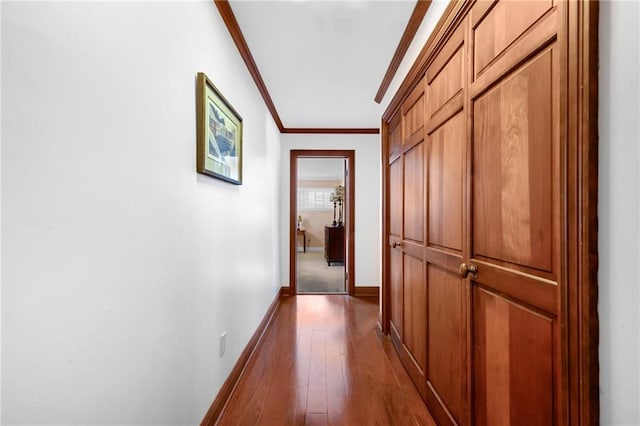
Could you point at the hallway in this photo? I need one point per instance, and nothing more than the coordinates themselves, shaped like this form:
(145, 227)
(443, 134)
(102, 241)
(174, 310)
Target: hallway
(496, 210)
(323, 361)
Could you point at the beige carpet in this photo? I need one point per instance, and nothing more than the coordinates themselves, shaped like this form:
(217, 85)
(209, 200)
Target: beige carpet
(314, 276)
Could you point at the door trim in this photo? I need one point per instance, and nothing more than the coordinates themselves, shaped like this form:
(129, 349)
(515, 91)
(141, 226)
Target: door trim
(350, 188)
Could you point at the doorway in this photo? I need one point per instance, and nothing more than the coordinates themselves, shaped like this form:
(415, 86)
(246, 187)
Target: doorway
(321, 255)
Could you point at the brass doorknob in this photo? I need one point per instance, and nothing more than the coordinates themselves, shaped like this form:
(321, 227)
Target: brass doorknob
(465, 270)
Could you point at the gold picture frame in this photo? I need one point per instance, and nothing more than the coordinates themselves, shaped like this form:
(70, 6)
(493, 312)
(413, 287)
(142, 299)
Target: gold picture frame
(219, 134)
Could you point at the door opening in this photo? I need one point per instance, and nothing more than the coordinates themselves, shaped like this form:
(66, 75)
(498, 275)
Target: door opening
(321, 222)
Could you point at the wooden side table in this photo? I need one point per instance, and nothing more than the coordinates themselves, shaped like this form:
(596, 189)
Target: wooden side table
(304, 238)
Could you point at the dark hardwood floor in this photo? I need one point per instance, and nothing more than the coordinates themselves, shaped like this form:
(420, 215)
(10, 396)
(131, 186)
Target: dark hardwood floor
(324, 362)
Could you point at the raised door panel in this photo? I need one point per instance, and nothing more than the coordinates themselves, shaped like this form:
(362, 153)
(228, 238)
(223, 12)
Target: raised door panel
(415, 315)
(414, 194)
(395, 137)
(395, 198)
(513, 363)
(497, 27)
(396, 292)
(446, 341)
(446, 163)
(445, 77)
(447, 83)
(413, 116)
(512, 163)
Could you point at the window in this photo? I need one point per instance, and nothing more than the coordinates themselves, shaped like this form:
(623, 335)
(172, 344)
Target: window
(315, 198)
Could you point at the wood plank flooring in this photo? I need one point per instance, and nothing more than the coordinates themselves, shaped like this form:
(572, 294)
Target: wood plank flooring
(324, 362)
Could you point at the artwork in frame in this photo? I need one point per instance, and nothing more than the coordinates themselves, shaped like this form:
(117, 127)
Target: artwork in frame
(219, 136)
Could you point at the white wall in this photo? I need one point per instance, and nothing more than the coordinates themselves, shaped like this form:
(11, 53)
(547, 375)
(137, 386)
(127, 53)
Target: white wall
(122, 265)
(367, 204)
(618, 210)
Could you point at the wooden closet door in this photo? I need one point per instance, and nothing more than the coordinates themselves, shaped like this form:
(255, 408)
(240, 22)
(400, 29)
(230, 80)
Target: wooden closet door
(447, 292)
(409, 248)
(494, 227)
(516, 213)
(395, 228)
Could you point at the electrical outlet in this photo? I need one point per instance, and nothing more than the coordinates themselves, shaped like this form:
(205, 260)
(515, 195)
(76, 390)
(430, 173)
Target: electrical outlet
(223, 343)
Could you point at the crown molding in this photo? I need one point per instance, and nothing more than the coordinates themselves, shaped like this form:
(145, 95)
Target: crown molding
(344, 131)
(229, 18)
(419, 11)
(224, 8)
(451, 15)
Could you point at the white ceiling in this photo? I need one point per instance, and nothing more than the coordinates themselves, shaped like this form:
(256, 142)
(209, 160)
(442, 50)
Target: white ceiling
(323, 61)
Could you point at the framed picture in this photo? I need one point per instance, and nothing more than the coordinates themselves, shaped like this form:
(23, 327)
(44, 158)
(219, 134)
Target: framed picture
(219, 137)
